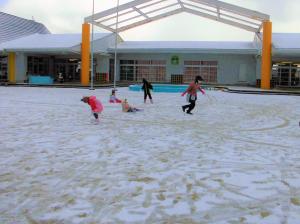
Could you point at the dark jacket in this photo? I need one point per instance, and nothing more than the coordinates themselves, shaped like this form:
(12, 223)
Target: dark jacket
(147, 86)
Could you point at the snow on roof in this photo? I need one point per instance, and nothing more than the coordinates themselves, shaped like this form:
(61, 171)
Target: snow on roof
(13, 27)
(282, 42)
(286, 40)
(183, 46)
(49, 41)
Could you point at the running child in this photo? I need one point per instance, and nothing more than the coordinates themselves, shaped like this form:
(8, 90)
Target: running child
(192, 94)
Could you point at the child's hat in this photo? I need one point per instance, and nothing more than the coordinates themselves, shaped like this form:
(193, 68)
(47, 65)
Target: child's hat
(85, 98)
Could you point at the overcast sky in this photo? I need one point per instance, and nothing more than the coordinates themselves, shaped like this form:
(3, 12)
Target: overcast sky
(66, 16)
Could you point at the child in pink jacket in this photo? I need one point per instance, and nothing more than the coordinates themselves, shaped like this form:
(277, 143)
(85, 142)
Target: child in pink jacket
(113, 98)
(96, 105)
(192, 94)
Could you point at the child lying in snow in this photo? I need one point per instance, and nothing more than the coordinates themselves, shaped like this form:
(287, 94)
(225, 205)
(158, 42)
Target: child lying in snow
(127, 108)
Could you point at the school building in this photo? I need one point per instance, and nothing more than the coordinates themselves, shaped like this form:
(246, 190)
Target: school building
(29, 52)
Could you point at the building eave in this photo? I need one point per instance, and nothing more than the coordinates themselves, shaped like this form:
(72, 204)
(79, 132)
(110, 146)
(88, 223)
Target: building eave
(281, 51)
(41, 50)
(185, 51)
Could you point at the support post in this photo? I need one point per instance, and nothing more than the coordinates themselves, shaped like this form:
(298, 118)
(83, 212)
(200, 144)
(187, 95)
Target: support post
(266, 55)
(85, 55)
(12, 67)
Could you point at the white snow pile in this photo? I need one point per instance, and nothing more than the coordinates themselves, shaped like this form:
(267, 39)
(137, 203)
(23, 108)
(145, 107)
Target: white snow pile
(236, 160)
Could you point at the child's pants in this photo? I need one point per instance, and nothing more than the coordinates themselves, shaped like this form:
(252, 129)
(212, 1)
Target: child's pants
(190, 106)
(147, 94)
(95, 114)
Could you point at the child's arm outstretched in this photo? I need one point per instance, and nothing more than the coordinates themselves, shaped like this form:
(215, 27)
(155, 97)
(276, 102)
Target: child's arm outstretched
(202, 91)
(186, 91)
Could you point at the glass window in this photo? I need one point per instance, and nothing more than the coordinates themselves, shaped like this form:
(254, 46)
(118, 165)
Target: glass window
(3, 68)
(38, 65)
(136, 70)
(206, 69)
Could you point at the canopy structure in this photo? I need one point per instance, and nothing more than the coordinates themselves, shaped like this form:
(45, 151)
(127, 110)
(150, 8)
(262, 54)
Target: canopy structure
(140, 12)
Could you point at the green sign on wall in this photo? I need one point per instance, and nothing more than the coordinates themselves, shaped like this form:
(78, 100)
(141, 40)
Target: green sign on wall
(175, 60)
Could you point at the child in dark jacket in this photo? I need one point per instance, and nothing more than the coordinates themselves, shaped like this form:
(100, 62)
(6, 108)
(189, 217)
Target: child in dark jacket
(146, 87)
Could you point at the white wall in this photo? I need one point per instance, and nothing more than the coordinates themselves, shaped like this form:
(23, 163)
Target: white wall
(228, 64)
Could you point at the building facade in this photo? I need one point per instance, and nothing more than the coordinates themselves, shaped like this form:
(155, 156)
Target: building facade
(58, 56)
(12, 28)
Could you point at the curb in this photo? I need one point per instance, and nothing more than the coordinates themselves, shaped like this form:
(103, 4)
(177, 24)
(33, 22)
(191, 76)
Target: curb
(225, 89)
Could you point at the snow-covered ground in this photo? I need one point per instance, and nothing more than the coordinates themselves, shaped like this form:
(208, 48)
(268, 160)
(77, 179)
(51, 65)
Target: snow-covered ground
(236, 160)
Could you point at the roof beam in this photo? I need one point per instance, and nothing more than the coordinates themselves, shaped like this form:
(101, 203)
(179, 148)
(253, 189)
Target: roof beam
(161, 8)
(153, 3)
(115, 16)
(260, 27)
(108, 12)
(201, 8)
(134, 8)
(153, 11)
(219, 14)
(217, 10)
(103, 26)
(226, 21)
(234, 9)
(151, 19)
(242, 20)
(140, 12)
(180, 3)
(125, 20)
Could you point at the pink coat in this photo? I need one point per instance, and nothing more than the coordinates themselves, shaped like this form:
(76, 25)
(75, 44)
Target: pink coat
(95, 104)
(192, 89)
(114, 99)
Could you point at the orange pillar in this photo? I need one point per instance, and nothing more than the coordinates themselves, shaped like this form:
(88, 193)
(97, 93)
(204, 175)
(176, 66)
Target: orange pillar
(266, 55)
(12, 67)
(85, 55)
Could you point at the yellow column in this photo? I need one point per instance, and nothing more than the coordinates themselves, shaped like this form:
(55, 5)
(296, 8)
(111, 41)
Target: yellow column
(12, 67)
(85, 55)
(266, 55)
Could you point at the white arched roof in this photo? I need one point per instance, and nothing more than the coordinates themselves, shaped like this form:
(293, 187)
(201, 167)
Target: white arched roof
(139, 12)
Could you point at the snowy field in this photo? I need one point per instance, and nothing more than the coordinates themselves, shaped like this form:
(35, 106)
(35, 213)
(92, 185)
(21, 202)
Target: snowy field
(236, 160)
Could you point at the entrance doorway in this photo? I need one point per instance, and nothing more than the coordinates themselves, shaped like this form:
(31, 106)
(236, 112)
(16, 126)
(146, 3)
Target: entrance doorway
(286, 75)
(111, 70)
(3, 68)
(68, 68)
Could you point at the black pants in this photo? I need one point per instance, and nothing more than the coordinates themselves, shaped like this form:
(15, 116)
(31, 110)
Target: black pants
(96, 115)
(190, 106)
(147, 93)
